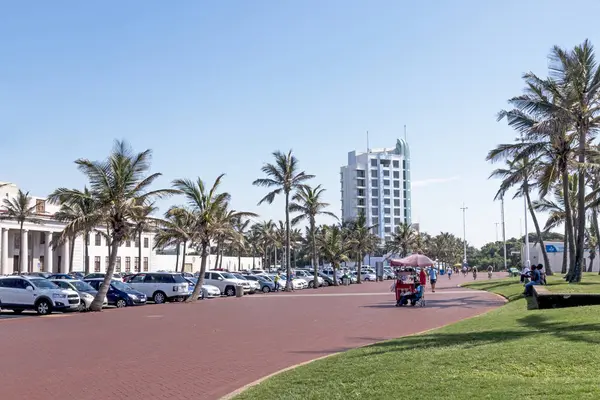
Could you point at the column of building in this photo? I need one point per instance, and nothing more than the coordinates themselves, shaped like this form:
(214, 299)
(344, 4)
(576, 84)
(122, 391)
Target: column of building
(48, 253)
(4, 270)
(23, 253)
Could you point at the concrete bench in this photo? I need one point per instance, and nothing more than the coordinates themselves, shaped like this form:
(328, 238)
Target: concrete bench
(546, 299)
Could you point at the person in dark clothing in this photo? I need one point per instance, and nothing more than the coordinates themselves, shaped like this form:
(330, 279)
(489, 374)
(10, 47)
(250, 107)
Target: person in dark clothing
(536, 279)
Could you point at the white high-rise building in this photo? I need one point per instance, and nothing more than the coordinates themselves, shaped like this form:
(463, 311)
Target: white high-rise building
(377, 183)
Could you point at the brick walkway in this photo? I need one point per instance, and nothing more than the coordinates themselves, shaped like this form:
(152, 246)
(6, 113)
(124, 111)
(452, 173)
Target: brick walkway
(208, 349)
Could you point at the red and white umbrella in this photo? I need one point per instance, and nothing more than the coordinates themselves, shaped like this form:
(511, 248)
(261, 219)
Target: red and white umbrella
(414, 260)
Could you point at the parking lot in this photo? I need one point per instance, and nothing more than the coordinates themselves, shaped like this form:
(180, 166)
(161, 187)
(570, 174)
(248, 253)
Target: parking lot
(207, 349)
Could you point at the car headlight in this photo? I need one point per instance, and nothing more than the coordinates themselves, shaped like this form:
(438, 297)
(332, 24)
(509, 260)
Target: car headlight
(86, 296)
(132, 296)
(59, 296)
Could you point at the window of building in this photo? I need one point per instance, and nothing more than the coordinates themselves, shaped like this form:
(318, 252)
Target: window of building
(375, 202)
(127, 264)
(386, 172)
(374, 173)
(396, 221)
(403, 164)
(386, 210)
(145, 264)
(128, 243)
(386, 202)
(97, 240)
(396, 202)
(145, 243)
(360, 173)
(136, 264)
(17, 240)
(360, 182)
(396, 164)
(387, 220)
(106, 243)
(106, 261)
(396, 174)
(118, 265)
(97, 264)
(374, 210)
(404, 174)
(386, 182)
(42, 237)
(386, 192)
(374, 182)
(388, 229)
(396, 211)
(373, 162)
(404, 184)
(396, 193)
(374, 192)
(397, 184)
(375, 221)
(361, 202)
(40, 206)
(137, 241)
(404, 203)
(361, 192)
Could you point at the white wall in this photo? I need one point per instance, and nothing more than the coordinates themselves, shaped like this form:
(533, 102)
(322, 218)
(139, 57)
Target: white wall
(167, 262)
(556, 259)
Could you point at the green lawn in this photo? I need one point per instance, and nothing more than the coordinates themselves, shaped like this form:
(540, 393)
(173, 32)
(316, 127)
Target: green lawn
(509, 353)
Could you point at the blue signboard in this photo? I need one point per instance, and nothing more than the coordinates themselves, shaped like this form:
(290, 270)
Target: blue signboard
(555, 248)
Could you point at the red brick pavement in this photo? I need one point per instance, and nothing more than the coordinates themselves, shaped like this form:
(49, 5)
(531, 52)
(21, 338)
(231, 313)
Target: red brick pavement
(208, 349)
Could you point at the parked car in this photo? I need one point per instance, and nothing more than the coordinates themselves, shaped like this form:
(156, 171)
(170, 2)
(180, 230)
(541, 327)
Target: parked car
(85, 291)
(116, 276)
(297, 284)
(367, 276)
(226, 282)
(44, 275)
(19, 293)
(59, 276)
(327, 280)
(308, 277)
(266, 284)
(160, 286)
(207, 291)
(119, 294)
(254, 285)
(388, 273)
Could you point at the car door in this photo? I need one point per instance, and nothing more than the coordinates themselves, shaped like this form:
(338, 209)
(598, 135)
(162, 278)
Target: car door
(22, 295)
(150, 285)
(137, 282)
(12, 291)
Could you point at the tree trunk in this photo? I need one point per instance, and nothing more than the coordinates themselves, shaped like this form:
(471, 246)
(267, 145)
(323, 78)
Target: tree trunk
(539, 234)
(87, 253)
(568, 222)
(140, 251)
(313, 253)
(576, 276)
(335, 278)
(71, 251)
(221, 258)
(565, 250)
(177, 258)
(239, 260)
(217, 251)
(99, 299)
(200, 281)
(591, 265)
(183, 256)
(288, 283)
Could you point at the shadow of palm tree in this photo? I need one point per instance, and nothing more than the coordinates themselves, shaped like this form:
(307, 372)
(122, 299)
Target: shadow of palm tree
(567, 331)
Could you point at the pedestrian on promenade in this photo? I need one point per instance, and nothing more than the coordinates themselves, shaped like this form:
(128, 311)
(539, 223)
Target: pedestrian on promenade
(474, 273)
(423, 277)
(449, 273)
(277, 278)
(432, 278)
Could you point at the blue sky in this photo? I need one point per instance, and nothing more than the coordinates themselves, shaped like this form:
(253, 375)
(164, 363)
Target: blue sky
(216, 86)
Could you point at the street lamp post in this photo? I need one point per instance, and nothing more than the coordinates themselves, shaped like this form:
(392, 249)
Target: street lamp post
(527, 259)
(464, 209)
(503, 232)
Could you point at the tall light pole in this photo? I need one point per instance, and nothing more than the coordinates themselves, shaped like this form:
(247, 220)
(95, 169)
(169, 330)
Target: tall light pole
(464, 209)
(503, 231)
(527, 260)
(496, 223)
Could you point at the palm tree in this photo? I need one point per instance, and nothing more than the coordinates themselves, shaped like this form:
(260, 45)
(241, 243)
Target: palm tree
(74, 206)
(285, 177)
(334, 247)
(176, 228)
(308, 203)
(364, 240)
(20, 209)
(143, 221)
(206, 211)
(120, 187)
(403, 240)
(240, 241)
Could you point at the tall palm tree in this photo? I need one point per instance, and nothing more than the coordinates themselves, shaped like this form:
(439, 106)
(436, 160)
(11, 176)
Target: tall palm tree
(120, 187)
(206, 207)
(334, 247)
(74, 206)
(176, 228)
(403, 240)
(307, 201)
(143, 221)
(286, 178)
(21, 210)
(364, 240)
(240, 241)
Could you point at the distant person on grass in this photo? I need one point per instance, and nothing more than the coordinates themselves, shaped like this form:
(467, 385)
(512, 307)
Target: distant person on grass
(432, 278)
(536, 279)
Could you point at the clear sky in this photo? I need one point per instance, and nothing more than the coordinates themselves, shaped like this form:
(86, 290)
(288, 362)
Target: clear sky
(216, 86)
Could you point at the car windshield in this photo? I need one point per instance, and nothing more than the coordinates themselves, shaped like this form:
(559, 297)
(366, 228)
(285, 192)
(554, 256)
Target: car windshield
(227, 275)
(239, 276)
(190, 281)
(43, 284)
(82, 286)
(179, 279)
(121, 286)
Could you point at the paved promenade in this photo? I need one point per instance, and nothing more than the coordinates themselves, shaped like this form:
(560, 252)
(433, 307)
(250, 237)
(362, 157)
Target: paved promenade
(208, 349)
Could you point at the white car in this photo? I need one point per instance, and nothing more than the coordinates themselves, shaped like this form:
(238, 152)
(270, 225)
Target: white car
(20, 293)
(210, 291)
(160, 286)
(254, 285)
(367, 276)
(83, 289)
(226, 282)
(297, 284)
(308, 277)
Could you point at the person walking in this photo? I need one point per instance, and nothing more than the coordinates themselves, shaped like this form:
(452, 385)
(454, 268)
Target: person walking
(277, 278)
(449, 273)
(474, 273)
(423, 277)
(432, 278)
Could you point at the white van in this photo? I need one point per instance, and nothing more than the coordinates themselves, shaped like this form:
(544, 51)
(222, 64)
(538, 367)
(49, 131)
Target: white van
(161, 286)
(226, 282)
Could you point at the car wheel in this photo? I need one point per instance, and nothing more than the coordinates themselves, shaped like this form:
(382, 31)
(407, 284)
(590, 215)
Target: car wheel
(311, 284)
(266, 289)
(18, 312)
(43, 307)
(159, 298)
(81, 307)
(230, 291)
(121, 303)
(325, 283)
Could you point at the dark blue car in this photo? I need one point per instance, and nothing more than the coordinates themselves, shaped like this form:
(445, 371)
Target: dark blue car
(120, 294)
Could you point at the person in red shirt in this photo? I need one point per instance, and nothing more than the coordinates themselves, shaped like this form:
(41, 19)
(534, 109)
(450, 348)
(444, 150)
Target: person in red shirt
(422, 277)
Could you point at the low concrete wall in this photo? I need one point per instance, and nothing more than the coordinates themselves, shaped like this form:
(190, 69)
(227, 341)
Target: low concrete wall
(546, 299)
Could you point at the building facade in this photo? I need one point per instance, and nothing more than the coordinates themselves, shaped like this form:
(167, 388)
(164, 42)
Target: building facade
(556, 254)
(377, 183)
(37, 255)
